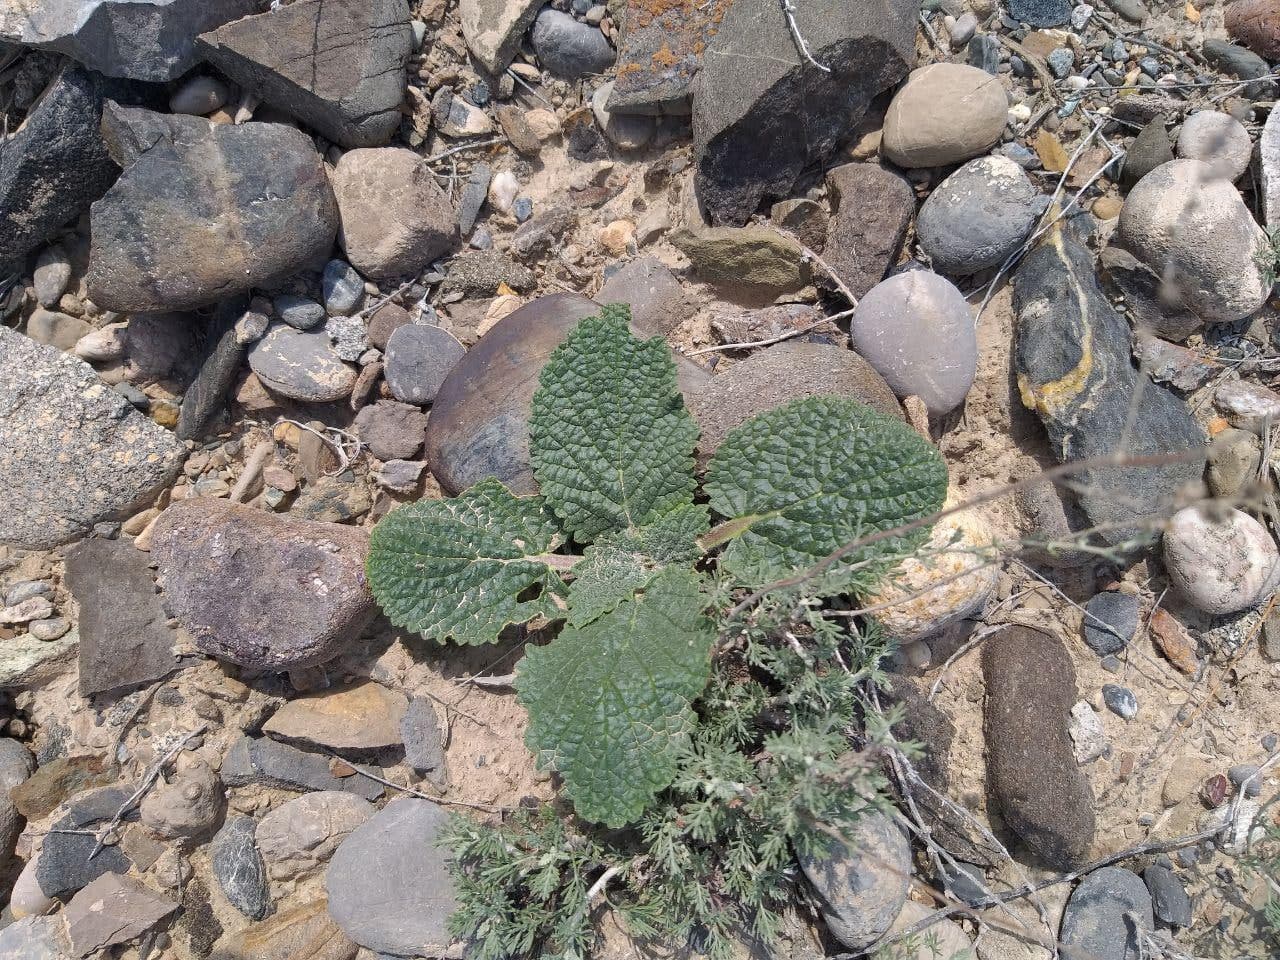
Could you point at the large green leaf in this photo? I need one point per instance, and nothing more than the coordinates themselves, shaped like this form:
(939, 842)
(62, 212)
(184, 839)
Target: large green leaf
(608, 702)
(621, 563)
(814, 475)
(459, 568)
(611, 441)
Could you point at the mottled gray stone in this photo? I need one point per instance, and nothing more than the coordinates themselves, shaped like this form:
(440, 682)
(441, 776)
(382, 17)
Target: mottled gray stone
(419, 357)
(423, 739)
(567, 48)
(301, 365)
(343, 287)
(337, 65)
(238, 865)
(162, 235)
(63, 866)
(34, 938)
(1097, 921)
(493, 29)
(223, 352)
(75, 452)
(389, 889)
(124, 640)
(151, 40)
(977, 217)
(301, 313)
(871, 208)
(863, 885)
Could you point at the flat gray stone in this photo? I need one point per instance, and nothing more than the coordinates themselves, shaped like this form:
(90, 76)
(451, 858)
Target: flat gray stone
(63, 866)
(151, 40)
(124, 641)
(389, 889)
(274, 764)
(75, 452)
(113, 909)
(493, 29)
(1096, 922)
(569, 48)
(301, 365)
(337, 65)
(419, 357)
(977, 217)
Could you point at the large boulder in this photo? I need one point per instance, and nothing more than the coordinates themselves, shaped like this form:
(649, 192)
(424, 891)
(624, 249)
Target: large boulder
(395, 218)
(55, 164)
(1190, 225)
(204, 211)
(337, 65)
(1072, 361)
(151, 40)
(74, 452)
(265, 592)
(479, 424)
(763, 113)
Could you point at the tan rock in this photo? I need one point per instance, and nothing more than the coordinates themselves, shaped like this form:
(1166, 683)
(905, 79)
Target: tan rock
(304, 932)
(364, 717)
(945, 113)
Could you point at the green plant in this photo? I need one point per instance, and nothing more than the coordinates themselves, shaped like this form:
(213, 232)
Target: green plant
(709, 747)
(1267, 257)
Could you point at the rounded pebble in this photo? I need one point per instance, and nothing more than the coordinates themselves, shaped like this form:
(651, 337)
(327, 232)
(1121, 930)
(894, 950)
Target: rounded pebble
(1218, 140)
(1221, 561)
(418, 358)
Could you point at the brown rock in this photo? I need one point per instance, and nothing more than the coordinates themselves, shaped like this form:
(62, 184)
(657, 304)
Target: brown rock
(778, 375)
(266, 592)
(360, 718)
(304, 933)
(1172, 639)
(522, 136)
(39, 795)
(1256, 24)
(871, 208)
(392, 430)
(1031, 767)
(395, 218)
(479, 424)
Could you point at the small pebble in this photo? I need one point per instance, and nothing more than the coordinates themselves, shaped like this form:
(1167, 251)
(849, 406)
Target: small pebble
(1237, 775)
(343, 287)
(1061, 61)
(522, 209)
(299, 312)
(1120, 700)
(1081, 16)
(1269, 742)
(25, 590)
(1150, 66)
(49, 629)
(1215, 791)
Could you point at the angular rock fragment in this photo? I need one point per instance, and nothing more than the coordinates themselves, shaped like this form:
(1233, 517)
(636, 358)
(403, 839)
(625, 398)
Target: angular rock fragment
(204, 211)
(337, 65)
(305, 931)
(265, 761)
(493, 28)
(763, 114)
(661, 51)
(1072, 359)
(754, 263)
(152, 40)
(124, 640)
(355, 720)
(113, 909)
(1031, 767)
(205, 397)
(74, 451)
(55, 164)
(871, 209)
(266, 592)
(1107, 916)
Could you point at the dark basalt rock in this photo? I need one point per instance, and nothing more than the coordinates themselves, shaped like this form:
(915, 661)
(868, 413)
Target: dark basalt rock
(1031, 765)
(337, 65)
(55, 164)
(204, 211)
(205, 397)
(479, 425)
(763, 114)
(1072, 357)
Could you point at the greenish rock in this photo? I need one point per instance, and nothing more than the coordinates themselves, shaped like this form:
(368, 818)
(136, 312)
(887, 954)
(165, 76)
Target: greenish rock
(1149, 149)
(28, 662)
(752, 261)
(1073, 367)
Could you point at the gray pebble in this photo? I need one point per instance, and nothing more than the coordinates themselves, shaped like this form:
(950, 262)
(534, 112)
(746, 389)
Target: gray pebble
(25, 590)
(50, 629)
(1061, 61)
(1120, 700)
(418, 358)
(299, 312)
(522, 209)
(1242, 772)
(343, 287)
(1150, 66)
(136, 397)
(1169, 898)
(1110, 621)
(238, 866)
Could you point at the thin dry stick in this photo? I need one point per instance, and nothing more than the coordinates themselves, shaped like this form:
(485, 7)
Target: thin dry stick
(147, 782)
(418, 793)
(463, 147)
(789, 11)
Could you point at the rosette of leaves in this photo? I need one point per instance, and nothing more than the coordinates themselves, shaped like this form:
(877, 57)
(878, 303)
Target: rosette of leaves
(610, 696)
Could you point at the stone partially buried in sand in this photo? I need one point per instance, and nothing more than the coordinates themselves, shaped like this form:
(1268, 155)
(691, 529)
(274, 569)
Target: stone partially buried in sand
(266, 592)
(301, 365)
(778, 375)
(74, 451)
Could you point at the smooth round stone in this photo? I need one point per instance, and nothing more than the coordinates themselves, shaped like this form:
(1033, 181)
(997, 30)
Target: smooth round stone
(301, 365)
(956, 560)
(945, 113)
(26, 899)
(1183, 221)
(343, 287)
(916, 330)
(978, 216)
(418, 359)
(567, 48)
(298, 312)
(49, 629)
(1221, 561)
(1217, 139)
(479, 425)
(1110, 620)
(51, 276)
(199, 96)
(778, 375)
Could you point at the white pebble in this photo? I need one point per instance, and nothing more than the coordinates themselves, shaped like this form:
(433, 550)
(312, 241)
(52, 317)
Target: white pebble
(1222, 561)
